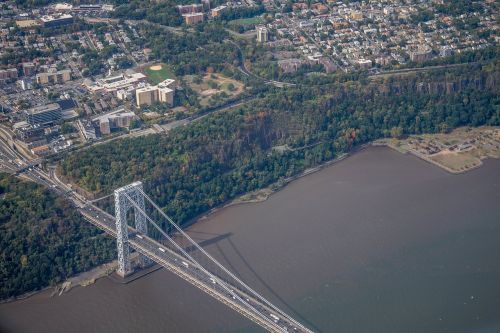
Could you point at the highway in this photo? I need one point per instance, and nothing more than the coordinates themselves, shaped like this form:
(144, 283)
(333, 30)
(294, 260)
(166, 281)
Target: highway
(173, 124)
(7, 159)
(254, 308)
(10, 160)
(190, 271)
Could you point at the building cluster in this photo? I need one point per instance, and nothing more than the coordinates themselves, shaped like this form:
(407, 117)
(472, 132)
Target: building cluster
(218, 11)
(82, 8)
(130, 84)
(8, 75)
(27, 73)
(42, 92)
(39, 131)
(119, 84)
(161, 93)
(53, 76)
(44, 115)
(102, 125)
(52, 72)
(56, 20)
(114, 120)
(61, 14)
(377, 34)
(196, 13)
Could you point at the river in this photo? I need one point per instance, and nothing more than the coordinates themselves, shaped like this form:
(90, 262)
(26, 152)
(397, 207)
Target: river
(380, 242)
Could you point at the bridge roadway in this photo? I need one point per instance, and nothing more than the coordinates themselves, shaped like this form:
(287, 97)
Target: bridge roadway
(264, 316)
(273, 322)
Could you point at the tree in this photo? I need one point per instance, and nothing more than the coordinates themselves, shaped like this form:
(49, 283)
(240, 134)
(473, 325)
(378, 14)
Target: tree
(198, 167)
(44, 240)
(397, 132)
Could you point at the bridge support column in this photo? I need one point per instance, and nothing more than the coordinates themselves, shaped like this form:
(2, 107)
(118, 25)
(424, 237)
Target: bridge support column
(122, 205)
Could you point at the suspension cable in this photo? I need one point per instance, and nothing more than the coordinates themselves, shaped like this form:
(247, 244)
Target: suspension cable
(179, 229)
(221, 282)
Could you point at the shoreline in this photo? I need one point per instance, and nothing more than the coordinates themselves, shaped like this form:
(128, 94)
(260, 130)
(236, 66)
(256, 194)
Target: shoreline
(371, 174)
(82, 279)
(431, 161)
(459, 151)
(424, 158)
(88, 278)
(25, 295)
(105, 270)
(265, 193)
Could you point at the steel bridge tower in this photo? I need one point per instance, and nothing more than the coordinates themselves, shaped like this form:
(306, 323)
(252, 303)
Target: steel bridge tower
(122, 206)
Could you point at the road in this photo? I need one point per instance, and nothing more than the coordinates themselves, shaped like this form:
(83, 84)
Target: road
(249, 306)
(175, 30)
(8, 158)
(418, 69)
(174, 124)
(194, 274)
(242, 68)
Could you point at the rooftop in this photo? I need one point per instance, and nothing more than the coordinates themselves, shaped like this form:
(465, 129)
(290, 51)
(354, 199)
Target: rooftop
(50, 18)
(43, 108)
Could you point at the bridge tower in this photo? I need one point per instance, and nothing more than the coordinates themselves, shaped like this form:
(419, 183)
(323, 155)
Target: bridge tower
(122, 206)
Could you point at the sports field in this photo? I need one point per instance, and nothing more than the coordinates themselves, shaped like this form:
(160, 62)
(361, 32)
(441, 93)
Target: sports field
(157, 73)
(248, 21)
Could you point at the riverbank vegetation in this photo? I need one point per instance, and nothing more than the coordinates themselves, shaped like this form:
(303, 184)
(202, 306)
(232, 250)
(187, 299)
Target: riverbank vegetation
(44, 240)
(203, 165)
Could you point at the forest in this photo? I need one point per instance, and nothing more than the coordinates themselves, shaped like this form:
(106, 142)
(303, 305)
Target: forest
(44, 240)
(209, 162)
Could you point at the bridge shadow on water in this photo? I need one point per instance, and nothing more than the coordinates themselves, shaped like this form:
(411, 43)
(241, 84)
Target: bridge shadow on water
(294, 312)
(199, 237)
(227, 237)
(206, 242)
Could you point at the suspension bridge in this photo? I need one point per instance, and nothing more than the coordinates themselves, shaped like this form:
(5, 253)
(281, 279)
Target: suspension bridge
(157, 238)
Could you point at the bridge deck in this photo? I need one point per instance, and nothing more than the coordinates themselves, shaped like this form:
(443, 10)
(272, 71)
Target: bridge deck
(264, 317)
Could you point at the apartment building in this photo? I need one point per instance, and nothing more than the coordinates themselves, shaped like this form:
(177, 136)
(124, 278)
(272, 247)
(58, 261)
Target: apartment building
(54, 77)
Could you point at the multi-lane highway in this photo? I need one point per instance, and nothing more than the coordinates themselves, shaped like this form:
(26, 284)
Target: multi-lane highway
(232, 296)
(10, 160)
(252, 306)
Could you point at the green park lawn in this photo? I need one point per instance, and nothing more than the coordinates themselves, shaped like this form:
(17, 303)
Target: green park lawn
(157, 76)
(248, 21)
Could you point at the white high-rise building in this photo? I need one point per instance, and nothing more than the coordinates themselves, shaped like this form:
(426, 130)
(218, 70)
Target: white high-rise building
(262, 34)
(150, 94)
(146, 96)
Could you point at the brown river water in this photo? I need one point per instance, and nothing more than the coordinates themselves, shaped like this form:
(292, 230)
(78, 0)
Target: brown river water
(380, 242)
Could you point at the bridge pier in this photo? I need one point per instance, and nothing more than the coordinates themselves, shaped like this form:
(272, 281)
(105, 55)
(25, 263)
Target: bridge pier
(122, 206)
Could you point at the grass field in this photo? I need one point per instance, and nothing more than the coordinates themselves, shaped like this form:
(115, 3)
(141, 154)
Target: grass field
(248, 21)
(457, 162)
(205, 90)
(157, 76)
(483, 142)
